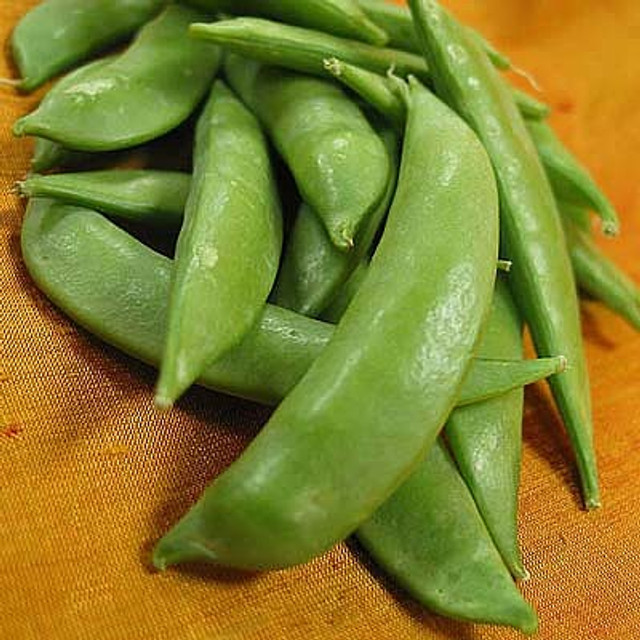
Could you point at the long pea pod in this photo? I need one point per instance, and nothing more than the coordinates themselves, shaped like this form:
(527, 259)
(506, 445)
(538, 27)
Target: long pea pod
(430, 537)
(339, 163)
(58, 34)
(150, 197)
(486, 438)
(228, 250)
(117, 288)
(364, 414)
(599, 277)
(313, 269)
(301, 49)
(138, 96)
(342, 18)
(571, 181)
(542, 279)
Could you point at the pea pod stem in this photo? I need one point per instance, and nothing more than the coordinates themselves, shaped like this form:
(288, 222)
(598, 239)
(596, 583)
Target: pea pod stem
(542, 280)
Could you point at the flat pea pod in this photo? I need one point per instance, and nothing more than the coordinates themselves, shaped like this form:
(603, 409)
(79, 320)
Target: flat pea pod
(541, 278)
(430, 537)
(58, 34)
(117, 288)
(342, 18)
(228, 250)
(138, 96)
(397, 22)
(313, 269)
(322, 464)
(149, 197)
(303, 50)
(571, 181)
(339, 163)
(599, 277)
(486, 438)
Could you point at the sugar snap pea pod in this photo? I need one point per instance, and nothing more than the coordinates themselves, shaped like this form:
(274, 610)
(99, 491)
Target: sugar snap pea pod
(117, 288)
(313, 269)
(49, 155)
(600, 277)
(339, 163)
(578, 215)
(58, 34)
(140, 95)
(342, 18)
(303, 49)
(571, 181)
(430, 537)
(486, 438)
(228, 250)
(322, 464)
(398, 24)
(541, 278)
(150, 197)
(345, 294)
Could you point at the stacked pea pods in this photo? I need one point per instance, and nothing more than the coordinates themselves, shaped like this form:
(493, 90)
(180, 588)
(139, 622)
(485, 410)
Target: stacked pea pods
(437, 214)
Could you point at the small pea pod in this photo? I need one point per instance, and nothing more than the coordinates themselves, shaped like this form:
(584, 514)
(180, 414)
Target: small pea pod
(228, 250)
(541, 278)
(571, 181)
(322, 464)
(303, 50)
(339, 163)
(430, 537)
(486, 438)
(153, 198)
(117, 288)
(342, 18)
(58, 34)
(313, 269)
(138, 96)
(599, 277)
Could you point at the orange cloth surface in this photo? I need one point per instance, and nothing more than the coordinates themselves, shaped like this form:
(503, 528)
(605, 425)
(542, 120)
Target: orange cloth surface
(91, 475)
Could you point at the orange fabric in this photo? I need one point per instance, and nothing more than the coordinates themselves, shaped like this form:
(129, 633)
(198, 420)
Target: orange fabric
(91, 475)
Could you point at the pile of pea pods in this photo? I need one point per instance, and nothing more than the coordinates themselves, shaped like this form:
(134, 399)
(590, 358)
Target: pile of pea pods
(370, 218)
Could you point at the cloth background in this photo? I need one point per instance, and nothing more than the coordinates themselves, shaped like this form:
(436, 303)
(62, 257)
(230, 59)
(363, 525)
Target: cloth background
(91, 475)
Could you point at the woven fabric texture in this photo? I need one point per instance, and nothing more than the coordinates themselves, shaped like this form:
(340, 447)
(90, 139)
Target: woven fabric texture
(91, 475)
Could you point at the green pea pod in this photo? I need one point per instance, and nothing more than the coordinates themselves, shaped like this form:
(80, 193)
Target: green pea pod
(529, 107)
(345, 294)
(148, 197)
(578, 215)
(49, 155)
(58, 34)
(117, 288)
(398, 24)
(322, 464)
(600, 277)
(570, 180)
(342, 18)
(228, 251)
(541, 278)
(339, 163)
(140, 95)
(430, 537)
(313, 269)
(486, 438)
(303, 49)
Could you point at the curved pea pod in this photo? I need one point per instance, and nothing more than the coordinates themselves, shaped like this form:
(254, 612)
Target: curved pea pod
(313, 268)
(486, 438)
(430, 537)
(228, 250)
(342, 18)
(117, 288)
(339, 163)
(322, 464)
(570, 180)
(301, 49)
(149, 197)
(541, 278)
(599, 277)
(140, 95)
(58, 34)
